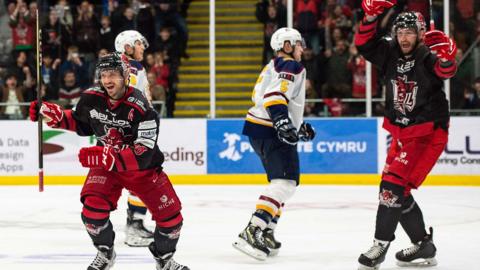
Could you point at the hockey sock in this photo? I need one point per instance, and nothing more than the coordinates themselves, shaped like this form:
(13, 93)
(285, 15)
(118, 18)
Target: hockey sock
(389, 210)
(100, 231)
(166, 239)
(273, 223)
(412, 220)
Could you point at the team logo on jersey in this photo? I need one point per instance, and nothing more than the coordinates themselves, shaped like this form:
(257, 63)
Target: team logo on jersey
(405, 67)
(114, 137)
(286, 76)
(387, 198)
(231, 153)
(404, 94)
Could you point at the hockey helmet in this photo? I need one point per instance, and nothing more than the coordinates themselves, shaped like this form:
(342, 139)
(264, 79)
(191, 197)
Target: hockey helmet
(129, 37)
(111, 61)
(285, 34)
(411, 20)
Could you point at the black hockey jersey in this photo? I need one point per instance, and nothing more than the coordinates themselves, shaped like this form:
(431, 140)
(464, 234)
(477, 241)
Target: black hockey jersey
(130, 126)
(414, 86)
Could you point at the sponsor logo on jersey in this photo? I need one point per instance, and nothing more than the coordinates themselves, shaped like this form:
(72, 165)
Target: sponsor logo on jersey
(286, 76)
(402, 158)
(166, 202)
(137, 102)
(404, 94)
(405, 67)
(103, 118)
(96, 179)
(387, 198)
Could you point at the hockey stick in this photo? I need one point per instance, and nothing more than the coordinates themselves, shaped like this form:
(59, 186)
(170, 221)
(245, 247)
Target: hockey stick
(432, 23)
(39, 100)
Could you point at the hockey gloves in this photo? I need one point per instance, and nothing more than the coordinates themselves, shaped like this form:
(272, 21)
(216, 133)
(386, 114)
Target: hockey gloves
(376, 7)
(440, 43)
(52, 112)
(97, 156)
(306, 132)
(286, 132)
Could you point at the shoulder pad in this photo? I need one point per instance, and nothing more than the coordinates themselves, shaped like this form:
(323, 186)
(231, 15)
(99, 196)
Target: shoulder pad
(287, 65)
(137, 100)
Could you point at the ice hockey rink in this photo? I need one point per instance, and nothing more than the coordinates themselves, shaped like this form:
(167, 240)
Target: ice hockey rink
(323, 228)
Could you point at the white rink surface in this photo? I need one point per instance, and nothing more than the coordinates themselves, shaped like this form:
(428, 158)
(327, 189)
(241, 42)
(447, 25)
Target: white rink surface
(322, 228)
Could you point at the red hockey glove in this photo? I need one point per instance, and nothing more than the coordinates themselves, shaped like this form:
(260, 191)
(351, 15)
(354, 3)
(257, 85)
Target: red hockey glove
(376, 7)
(441, 44)
(97, 156)
(52, 113)
(306, 132)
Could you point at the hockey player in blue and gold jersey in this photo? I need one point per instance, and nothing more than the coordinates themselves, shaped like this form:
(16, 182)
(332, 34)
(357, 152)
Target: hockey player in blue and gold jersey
(274, 125)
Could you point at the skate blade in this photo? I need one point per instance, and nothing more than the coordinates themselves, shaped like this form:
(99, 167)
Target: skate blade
(138, 241)
(418, 263)
(273, 252)
(244, 247)
(364, 267)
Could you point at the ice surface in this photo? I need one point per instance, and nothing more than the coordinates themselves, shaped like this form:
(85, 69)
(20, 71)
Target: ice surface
(322, 228)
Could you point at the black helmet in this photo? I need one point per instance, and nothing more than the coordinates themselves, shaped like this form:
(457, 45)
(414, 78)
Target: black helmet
(410, 19)
(112, 61)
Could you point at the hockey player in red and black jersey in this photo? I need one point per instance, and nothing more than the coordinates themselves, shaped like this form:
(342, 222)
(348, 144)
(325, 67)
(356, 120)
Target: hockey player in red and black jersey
(126, 156)
(131, 44)
(414, 64)
(274, 125)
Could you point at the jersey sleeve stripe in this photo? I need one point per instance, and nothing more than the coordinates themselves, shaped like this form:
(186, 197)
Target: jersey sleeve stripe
(135, 106)
(274, 102)
(275, 94)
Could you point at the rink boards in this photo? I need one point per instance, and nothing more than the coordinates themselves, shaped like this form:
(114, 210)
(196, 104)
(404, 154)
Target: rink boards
(200, 151)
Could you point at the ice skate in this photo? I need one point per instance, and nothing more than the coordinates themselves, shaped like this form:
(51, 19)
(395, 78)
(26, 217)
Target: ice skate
(104, 260)
(272, 244)
(166, 261)
(420, 254)
(372, 259)
(136, 235)
(251, 242)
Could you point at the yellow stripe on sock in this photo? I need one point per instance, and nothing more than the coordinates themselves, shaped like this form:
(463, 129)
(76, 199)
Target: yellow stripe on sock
(266, 208)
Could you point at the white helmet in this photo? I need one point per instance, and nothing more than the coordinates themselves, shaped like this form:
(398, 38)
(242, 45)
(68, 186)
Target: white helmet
(284, 34)
(129, 37)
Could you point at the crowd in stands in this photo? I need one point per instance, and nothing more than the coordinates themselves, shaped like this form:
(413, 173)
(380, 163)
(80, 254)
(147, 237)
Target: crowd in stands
(74, 34)
(336, 71)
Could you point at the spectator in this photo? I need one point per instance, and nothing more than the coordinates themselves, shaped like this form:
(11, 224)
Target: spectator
(12, 92)
(273, 16)
(339, 78)
(306, 20)
(22, 30)
(70, 90)
(471, 100)
(166, 14)
(64, 13)
(49, 71)
(145, 20)
(166, 43)
(76, 64)
(53, 36)
(157, 90)
(127, 20)
(161, 71)
(23, 74)
(107, 36)
(87, 32)
(357, 65)
(91, 68)
(309, 61)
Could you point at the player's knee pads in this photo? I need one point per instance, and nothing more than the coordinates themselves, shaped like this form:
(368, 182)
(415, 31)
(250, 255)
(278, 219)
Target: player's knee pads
(281, 190)
(166, 239)
(96, 208)
(391, 195)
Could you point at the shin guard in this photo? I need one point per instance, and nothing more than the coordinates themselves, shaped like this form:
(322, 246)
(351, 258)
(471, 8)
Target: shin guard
(412, 220)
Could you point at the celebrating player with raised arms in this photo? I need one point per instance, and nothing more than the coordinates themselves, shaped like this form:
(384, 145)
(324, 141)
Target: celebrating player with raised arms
(414, 64)
(274, 125)
(126, 156)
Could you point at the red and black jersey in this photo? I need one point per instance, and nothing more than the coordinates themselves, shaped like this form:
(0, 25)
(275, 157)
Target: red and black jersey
(414, 97)
(130, 126)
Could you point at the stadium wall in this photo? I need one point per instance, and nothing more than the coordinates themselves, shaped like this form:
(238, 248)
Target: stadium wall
(200, 151)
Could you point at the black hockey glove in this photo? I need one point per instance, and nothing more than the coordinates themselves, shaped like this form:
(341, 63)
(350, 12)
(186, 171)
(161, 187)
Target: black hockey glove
(286, 132)
(306, 132)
